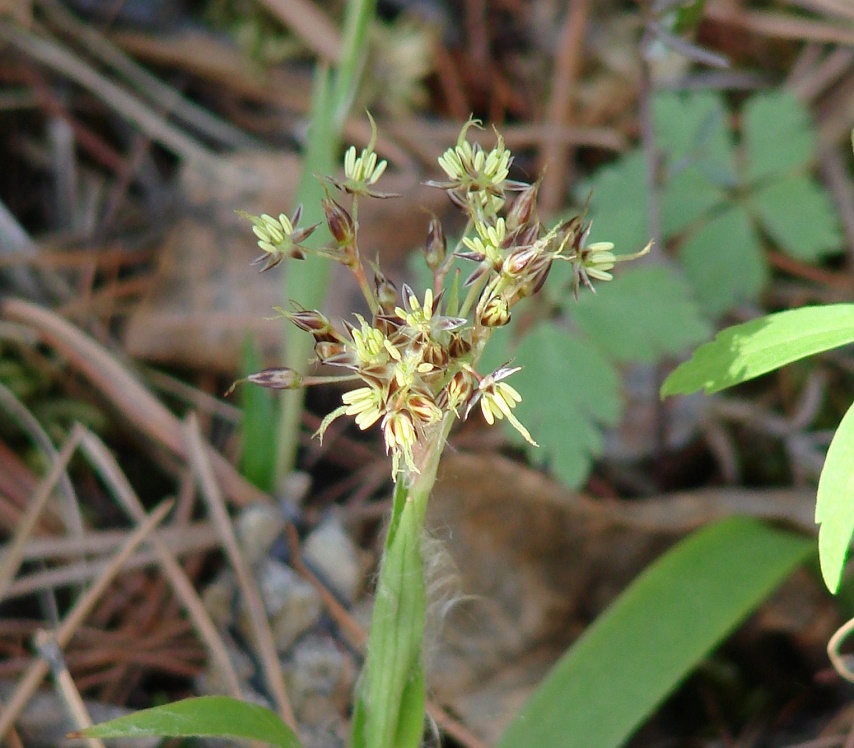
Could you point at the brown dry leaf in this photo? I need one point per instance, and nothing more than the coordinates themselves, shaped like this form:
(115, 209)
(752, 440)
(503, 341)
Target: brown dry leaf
(206, 298)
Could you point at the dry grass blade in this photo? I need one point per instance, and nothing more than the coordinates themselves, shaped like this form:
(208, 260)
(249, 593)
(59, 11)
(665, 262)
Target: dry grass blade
(83, 571)
(36, 672)
(50, 53)
(308, 21)
(121, 489)
(144, 411)
(264, 641)
(190, 538)
(49, 650)
(22, 417)
(781, 25)
(555, 155)
(162, 95)
(14, 551)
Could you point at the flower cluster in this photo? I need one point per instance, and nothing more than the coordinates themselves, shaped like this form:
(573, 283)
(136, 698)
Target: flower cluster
(415, 357)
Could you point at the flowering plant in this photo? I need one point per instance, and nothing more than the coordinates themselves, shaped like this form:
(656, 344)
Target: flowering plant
(415, 358)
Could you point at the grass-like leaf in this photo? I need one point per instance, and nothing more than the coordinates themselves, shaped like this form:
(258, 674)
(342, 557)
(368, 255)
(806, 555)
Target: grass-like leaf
(640, 649)
(753, 348)
(834, 509)
(724, 262)
(258, 426)
(206, 716)
(641, 314)
(800, 217)
(569, 391)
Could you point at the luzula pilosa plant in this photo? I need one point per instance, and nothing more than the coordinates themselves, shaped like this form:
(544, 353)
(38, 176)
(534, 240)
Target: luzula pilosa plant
(415, 357)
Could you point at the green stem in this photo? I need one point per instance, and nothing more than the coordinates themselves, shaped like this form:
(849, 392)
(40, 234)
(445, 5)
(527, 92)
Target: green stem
(389, 711)
(308, 281)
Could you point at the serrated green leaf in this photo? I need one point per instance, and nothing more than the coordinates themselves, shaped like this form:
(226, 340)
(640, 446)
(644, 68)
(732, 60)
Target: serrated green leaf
(641, 314)
(618, 204)
(834, 509)
(639, 650)
(688, 15)
(688, 195)
(753, 348)
(569, 391)
(205, 716)
(778, 135)
(724, 262)
(692, 133)
(800, 217)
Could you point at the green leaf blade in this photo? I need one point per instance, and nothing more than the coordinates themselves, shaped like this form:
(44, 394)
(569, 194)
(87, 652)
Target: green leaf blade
(205, 716)
(641, 648)
(748, 350)
(800, 217)
(560, 368)
(643, 313)
(724, 262)
(778, 135)
(834, 509)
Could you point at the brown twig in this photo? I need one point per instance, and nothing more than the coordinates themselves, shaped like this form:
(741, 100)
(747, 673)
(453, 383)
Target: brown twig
(14, 551)
(263, 637)
(121, 489)
(27, 686)
(145, 412)
(556, 156)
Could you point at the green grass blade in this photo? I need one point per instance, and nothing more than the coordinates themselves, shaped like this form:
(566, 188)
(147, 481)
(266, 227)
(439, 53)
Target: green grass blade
(258, 426)
(748, 350)
(640, 649)
(206, 716)
(834, 509)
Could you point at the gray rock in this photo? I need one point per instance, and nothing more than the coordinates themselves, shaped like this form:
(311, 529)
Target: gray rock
(257, 527)
(292, 604)
(331, 552)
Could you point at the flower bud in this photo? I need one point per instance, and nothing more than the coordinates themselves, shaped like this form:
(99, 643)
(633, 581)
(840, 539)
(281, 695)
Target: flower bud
(386, 292)
(459, 345)
(278, 378)
(524, 208)
(435, 247)
(340, 222)
(316, 323)
(495, 312)
(458, 391)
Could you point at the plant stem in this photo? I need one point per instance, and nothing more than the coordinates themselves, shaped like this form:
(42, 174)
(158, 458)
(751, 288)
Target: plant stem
(389, 711)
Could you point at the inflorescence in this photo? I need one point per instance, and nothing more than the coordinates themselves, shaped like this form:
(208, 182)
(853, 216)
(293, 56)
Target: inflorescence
(416, 357)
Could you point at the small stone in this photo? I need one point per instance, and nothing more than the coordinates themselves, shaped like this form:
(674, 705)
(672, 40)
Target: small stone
(219, 599)
(292, 604)
(332, 554)
(258, 526)
(320, 676)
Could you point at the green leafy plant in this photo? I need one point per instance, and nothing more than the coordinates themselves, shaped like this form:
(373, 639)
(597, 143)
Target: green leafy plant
(417, 360)
(721, 203)
(746, 351)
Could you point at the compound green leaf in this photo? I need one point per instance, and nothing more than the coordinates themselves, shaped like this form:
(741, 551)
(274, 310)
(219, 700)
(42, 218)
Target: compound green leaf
(800, 217)
(753, 348)
(618, 203)
(641, 314)
(834, 509)
(656, 632)
(206, 716)
(688, 194)
(778, 135)
(692, 133)
(724, 262)
(569, 391)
